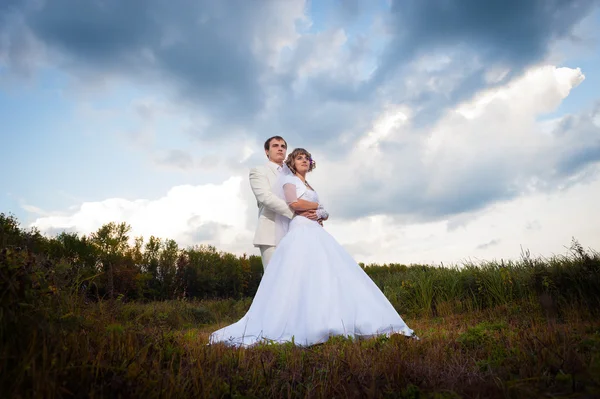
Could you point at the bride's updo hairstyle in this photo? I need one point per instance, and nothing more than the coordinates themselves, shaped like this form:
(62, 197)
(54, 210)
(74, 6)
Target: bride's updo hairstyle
(292, 156)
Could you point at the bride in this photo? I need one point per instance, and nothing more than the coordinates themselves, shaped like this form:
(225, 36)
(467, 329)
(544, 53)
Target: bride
(312, 289)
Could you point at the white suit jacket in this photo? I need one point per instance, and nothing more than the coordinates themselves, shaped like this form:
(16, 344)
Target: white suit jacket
(262, 179)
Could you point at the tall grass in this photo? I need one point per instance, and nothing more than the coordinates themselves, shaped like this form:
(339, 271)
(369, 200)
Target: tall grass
(428, 290)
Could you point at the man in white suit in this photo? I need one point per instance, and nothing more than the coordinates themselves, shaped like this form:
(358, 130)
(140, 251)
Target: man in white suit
(262, 179)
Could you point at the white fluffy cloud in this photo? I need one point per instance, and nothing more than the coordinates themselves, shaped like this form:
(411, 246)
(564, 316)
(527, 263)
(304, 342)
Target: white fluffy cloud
(208, 214)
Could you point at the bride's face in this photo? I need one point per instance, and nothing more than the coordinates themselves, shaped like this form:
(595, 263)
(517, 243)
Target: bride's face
(301, 163)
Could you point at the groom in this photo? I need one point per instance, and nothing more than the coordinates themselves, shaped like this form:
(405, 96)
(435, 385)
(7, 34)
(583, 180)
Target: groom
(262, 179)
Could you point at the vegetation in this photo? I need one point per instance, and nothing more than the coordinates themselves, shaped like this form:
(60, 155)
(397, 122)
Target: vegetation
(98, 316)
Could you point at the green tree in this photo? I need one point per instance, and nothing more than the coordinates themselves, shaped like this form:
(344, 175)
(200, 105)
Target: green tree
(111, 240)
(168, 268)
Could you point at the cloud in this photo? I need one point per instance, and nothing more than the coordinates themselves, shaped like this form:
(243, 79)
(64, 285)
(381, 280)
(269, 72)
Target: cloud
(479, 44)
(499, 231)
(34, 209)
(20, 51)
(211, 53)
(512, 33)
(177, 159)
(491, 148)
(583, 132)
(191, 215)
(488, 244)
(54, 231)
(533, 225)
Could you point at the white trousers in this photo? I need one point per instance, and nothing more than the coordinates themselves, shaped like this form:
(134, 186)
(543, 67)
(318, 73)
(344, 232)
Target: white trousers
(266, 251)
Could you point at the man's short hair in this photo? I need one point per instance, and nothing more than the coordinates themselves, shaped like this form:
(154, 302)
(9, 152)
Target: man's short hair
(268, 142)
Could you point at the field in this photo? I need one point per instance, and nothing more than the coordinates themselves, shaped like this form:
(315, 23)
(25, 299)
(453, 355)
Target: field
(90, 317)
(159, 350)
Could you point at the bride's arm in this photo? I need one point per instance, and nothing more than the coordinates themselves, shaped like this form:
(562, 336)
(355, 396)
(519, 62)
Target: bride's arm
(294, 202)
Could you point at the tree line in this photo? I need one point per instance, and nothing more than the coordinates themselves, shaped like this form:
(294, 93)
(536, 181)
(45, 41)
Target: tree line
(107, 264)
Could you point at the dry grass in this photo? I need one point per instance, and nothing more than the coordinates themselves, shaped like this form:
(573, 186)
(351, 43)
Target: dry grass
(160, 350)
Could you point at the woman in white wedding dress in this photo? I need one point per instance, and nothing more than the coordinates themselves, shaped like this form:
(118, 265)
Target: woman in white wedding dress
(313, 288)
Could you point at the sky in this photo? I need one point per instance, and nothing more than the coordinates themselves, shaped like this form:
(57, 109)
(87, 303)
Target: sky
(444, 131)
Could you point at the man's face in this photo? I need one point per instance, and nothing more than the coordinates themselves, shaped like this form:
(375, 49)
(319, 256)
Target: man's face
(277, 150)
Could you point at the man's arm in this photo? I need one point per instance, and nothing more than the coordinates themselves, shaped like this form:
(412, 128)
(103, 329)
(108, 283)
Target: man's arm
(262, 191)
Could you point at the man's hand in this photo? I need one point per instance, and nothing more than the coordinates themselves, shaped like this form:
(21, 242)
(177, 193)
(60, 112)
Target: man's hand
(312, 215)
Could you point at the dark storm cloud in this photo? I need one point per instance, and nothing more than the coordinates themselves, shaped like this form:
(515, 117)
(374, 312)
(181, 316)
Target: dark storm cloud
(513, 33)
(480, 35)
(199, 47)
(9, 6)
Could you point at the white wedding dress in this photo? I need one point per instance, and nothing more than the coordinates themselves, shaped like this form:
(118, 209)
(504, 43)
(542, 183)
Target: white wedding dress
(312, 289)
